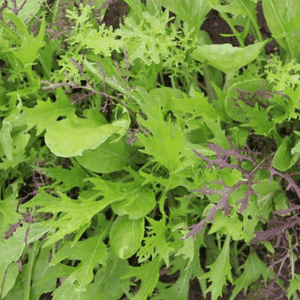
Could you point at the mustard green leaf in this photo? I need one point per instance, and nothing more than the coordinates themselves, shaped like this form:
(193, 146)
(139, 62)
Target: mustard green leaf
(5, 138)
(44, 274)
(225, 57)
(75, 213)
(108, 280)
(253, 269)
(12, 248)
(230, 225)
(192, 12)
(245, 8)
(70, 137)
(283, 158)
(219, 271)
(27, 51)
(136, 206)
(166, 141)
(28, 11)
(282, 19)
(149, 274)
(45, 113)
(294, 286)
(126, 236)
(220, 137)
(90, 252)
(156, 243)
(108, 157)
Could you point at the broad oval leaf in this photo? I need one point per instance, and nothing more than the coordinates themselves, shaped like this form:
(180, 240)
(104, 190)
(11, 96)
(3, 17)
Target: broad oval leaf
(108, 157)
(284, 159)
(70, 137)
(137, 205)
(227, 58)
(126, 236)
(241, 91)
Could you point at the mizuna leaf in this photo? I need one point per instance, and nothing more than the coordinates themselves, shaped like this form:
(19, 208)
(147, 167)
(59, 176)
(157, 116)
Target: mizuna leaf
(27, 51)
(149, 274)
(253, 269)
(219, 271)
(90, 252)
(75, 213)
(45, 113)
(156, 244)
(137, 206)
(166, 141)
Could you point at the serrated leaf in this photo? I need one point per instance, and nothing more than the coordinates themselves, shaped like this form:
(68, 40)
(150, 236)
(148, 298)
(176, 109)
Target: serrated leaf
(90, 252)
(75, 213)
(136, 206)
(253, 269)
(45, 113)
(219, 272)
(166, 141)
(149, 274)
(230, 225)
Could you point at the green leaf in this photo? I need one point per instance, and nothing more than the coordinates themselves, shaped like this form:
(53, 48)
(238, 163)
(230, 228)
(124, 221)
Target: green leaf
(67, 179)
(220, 137)
(233, 108)
(27, 51)
(28, 11)
(282, 19)
(136, 206)
(70, 137)
(192, 12)
(148, 39)
(283, 158)
(44, 275)
(230, 225)
(45, 113)
(294, 286)
(108, 157)
(166, 141)
(149, 274)
(75, 213)
(219, 270)
(5, 138)
(90, 252)
(253, 269)
(246, 8)
(227, 58)
(12, 248)
(156, 244)
(107, 281)
(126, 236)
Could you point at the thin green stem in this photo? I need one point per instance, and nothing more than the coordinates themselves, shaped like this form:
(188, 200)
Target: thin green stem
(209, 88)
(237, 34)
